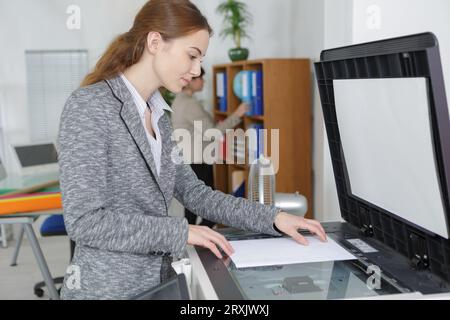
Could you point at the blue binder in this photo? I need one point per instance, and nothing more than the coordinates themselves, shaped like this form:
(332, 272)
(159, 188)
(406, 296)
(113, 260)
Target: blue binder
(257, 101)
(221, 89)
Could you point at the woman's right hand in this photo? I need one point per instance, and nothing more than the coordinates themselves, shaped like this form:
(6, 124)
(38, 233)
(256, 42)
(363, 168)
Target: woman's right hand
(205, 237)
(242, 110)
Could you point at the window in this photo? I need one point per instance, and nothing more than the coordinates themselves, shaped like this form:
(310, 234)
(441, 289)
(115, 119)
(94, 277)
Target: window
(51, 77)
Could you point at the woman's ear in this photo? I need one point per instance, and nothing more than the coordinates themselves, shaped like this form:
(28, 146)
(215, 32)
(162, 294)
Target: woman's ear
(154, 41)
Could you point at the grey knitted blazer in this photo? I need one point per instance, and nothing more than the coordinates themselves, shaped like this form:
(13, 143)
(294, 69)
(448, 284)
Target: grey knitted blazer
(116, 206)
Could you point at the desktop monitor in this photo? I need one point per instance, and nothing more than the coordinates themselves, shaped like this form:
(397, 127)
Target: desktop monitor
(36, 158)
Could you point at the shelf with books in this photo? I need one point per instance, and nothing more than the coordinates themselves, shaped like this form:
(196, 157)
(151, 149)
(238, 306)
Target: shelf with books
(285, 105)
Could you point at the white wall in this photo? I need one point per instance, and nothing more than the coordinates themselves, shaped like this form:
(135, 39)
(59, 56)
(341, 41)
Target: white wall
(404, 17)
(308, 36)
(318, 25)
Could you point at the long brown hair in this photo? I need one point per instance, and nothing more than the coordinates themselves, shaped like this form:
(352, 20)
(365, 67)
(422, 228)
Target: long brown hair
(171, 18)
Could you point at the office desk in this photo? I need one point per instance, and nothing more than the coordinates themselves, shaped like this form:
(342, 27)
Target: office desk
(27, 184)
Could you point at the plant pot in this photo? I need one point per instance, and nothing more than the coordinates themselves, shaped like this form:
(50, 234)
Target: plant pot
(238, 54)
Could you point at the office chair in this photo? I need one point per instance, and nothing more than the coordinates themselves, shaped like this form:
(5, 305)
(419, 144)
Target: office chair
(53, 226)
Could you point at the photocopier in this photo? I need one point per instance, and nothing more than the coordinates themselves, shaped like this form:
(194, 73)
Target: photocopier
(388, 127)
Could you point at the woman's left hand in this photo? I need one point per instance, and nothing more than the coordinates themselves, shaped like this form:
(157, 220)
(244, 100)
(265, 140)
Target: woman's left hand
(290, 224)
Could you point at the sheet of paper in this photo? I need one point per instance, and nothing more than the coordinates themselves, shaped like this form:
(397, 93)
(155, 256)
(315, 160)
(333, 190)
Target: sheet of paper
(279, 251)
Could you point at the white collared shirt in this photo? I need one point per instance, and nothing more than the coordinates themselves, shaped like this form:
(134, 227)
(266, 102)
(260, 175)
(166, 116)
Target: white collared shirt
(157, 107)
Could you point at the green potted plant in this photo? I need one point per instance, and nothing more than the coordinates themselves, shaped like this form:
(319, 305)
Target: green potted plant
(236, 19)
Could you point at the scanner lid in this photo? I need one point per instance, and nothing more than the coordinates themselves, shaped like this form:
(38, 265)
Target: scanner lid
(388, 128)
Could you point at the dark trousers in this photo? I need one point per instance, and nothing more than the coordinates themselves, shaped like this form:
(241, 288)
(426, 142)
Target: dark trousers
(205, 173)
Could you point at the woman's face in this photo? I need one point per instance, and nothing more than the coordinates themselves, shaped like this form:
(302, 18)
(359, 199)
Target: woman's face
(177, 61)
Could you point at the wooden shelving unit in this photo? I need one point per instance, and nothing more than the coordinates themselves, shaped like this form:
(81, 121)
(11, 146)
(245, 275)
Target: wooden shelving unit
(287, 107)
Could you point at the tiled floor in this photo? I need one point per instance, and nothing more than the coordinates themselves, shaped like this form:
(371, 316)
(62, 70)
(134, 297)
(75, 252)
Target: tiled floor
(18, 282)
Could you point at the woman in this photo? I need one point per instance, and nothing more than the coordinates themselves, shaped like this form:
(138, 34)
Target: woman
(187, 110)
(117, 173)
